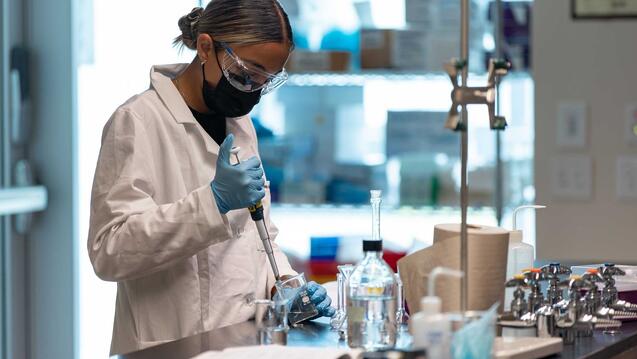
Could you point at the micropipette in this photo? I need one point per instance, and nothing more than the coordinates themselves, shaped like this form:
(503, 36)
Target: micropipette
(256, 212)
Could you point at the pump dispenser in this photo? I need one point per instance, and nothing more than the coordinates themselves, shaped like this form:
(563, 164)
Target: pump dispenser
(521, 255)
(431, 330)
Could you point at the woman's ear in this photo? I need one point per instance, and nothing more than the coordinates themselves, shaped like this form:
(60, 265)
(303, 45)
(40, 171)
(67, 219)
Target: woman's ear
(205, 47)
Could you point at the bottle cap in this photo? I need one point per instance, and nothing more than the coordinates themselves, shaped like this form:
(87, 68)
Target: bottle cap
(372, 246)
(430, 305)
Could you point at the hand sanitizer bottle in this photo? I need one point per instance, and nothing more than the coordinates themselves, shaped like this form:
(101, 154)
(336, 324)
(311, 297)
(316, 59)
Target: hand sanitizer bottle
(431, 329)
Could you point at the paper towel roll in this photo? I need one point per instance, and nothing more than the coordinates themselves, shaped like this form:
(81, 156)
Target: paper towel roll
(487, 250)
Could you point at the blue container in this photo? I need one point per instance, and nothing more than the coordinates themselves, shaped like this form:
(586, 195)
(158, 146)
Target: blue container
(323, 248)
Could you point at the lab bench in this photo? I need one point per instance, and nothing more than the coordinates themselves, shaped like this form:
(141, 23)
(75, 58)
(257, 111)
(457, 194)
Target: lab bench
(318, 334)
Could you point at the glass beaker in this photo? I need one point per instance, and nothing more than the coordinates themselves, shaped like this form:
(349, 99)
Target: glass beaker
(339, 320)
(263, 312)
(271, 320)
(294, 291)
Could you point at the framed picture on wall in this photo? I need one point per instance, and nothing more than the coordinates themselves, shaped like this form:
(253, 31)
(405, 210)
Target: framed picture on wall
(603, 9)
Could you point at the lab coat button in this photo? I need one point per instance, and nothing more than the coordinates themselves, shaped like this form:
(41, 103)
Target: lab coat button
(249, 298)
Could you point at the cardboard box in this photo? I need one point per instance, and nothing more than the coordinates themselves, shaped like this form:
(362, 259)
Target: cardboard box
(376, 49)
(393, 49)
(439, 14)
(319, 61)
(420, 12)
(440, 20)
(410, 132)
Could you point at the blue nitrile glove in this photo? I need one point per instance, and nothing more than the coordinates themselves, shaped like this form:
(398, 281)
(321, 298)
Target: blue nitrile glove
(236, 186)
(318, 296)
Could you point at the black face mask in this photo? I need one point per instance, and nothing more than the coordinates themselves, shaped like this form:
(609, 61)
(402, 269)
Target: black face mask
(225, 99)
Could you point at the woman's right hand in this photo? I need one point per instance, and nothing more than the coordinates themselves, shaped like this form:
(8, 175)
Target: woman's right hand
(236, 186)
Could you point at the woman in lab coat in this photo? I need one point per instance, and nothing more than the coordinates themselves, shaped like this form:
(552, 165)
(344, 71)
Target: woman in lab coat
(169, 221)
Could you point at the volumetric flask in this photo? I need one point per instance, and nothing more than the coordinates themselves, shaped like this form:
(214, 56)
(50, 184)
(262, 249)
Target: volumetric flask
(294, 291)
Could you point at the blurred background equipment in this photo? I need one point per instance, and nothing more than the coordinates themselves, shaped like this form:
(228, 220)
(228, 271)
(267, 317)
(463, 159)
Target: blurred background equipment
(361, 110)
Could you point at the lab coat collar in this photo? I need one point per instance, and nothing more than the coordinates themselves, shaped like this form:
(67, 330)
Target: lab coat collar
(161, 77)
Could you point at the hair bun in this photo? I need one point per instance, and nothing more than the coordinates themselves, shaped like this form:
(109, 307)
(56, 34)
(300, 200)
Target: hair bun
(188, 26)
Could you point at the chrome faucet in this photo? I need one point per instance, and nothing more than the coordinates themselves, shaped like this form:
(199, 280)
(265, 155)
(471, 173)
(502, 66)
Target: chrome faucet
(574, 319)
(534, 277)
(609, 293)
(607, 304)
(553, 272)
(610, 297)
(519, 305)
(575, 316)
(593, 298)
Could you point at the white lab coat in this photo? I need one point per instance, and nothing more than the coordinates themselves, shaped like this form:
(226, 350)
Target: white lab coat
(181, 266)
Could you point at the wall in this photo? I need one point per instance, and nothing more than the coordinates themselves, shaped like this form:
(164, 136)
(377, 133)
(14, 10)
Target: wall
(593, 61)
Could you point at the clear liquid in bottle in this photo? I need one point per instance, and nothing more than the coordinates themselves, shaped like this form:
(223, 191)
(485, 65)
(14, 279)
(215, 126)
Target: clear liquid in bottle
(371, 322)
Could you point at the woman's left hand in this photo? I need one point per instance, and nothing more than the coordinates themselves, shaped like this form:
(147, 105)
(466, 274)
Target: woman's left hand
(318, 296)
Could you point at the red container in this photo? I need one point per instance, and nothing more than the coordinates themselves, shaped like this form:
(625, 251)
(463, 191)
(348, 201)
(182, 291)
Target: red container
(392, 258)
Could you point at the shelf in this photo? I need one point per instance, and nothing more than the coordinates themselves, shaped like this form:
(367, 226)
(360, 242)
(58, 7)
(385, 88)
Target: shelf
(349, 208)
(359, 78)
(18, 200)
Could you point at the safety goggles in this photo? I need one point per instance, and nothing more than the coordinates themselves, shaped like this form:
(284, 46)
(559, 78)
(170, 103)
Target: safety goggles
(247, 77)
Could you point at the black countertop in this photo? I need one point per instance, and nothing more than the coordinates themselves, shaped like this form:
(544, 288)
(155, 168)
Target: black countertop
(318, 333)
(602, 345)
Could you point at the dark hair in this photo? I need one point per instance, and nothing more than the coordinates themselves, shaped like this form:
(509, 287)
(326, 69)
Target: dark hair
(243, 22)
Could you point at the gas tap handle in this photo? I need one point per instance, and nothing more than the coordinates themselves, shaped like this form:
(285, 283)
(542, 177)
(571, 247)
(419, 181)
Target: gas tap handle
(534, 276)
(554, 270)
(576, 283)
(518, 281)
(593, 276)
(609, 270)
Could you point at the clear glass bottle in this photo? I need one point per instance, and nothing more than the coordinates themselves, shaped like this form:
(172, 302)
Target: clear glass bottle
(371, 294)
